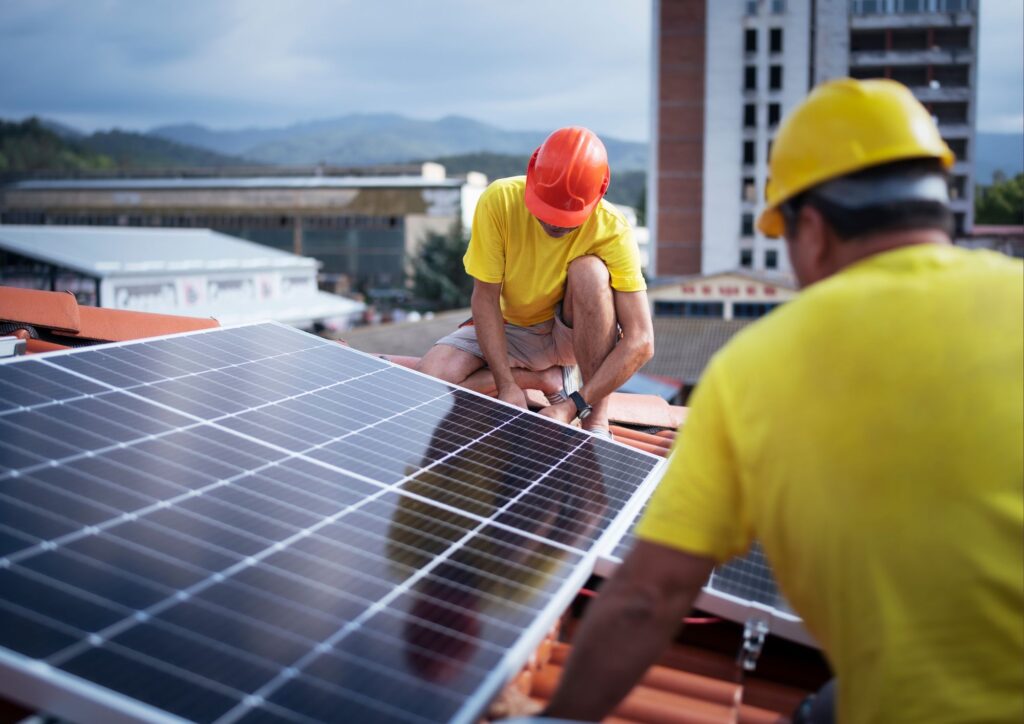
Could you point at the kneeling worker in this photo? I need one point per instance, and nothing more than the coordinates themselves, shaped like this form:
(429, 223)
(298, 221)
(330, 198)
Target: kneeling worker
(557, 282)
(868, 433)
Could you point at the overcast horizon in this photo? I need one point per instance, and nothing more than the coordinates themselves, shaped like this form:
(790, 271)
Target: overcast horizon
(231, 64)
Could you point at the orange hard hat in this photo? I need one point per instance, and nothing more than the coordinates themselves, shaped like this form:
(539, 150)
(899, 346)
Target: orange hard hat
(567, 177)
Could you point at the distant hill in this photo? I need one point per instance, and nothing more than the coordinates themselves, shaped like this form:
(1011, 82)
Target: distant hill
(627, 187)
(29, 147)
(998, 152)
(366, 139)
(140, 151)
(40, 147)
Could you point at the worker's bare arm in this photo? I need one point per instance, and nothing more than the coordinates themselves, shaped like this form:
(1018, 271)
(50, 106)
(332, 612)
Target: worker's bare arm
(636, 614)
(490, 334)
(631, 352)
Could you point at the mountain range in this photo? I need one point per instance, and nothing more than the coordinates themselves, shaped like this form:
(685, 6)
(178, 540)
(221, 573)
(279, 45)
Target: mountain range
(366, 139)
(353, 140)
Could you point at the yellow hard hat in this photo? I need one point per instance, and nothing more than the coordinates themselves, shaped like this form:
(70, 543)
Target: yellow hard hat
(842, 127)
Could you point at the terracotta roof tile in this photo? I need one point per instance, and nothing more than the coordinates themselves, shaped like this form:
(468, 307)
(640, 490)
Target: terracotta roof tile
(53, 310)
(44, 319)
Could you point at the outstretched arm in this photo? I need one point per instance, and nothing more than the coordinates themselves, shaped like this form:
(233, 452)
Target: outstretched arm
(636, 615)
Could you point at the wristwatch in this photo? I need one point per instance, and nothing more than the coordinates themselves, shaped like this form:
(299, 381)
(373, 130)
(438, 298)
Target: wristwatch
(583, 408)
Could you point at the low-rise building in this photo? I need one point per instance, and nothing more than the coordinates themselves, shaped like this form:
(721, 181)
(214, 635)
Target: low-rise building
(364, 229)
(194, 272)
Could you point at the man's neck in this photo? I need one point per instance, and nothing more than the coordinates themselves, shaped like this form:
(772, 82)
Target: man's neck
(850, 252)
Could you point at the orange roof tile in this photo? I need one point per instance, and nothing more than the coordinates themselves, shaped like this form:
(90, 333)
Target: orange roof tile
(116, 325)
(53, 310)
(54, 315)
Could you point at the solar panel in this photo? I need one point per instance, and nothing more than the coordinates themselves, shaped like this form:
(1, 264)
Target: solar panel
(744, 587)
(254, 524)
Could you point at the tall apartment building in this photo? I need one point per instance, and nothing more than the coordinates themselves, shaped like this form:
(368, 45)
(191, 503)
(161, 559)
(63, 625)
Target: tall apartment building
(726, 72)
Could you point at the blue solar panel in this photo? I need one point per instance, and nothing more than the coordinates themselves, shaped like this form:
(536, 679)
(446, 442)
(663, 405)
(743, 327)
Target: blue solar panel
(254, 524)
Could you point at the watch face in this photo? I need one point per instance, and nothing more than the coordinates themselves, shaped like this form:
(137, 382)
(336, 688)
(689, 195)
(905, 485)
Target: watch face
(584, 413)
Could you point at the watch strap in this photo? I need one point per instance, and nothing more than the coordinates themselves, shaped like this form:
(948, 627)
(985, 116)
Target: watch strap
(583, 407)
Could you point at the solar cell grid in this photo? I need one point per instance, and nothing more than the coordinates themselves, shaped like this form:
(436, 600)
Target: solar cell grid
(254, 524)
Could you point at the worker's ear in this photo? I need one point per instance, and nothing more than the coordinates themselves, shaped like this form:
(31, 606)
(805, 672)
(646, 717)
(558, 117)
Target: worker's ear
(817, 240)
(807, 244)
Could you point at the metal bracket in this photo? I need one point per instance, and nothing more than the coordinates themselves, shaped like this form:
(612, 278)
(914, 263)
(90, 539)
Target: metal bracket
(754, 632)
(11, 346)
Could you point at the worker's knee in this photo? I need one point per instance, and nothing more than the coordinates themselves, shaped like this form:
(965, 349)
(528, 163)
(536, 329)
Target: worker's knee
(448, 363)
(588, 271)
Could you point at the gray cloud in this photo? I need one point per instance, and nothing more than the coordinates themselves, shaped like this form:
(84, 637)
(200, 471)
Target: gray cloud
(530, 64)
(1001, 66)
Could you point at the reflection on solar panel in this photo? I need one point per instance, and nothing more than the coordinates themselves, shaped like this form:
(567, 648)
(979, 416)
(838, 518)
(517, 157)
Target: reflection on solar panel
(253, 524)
(741, 588)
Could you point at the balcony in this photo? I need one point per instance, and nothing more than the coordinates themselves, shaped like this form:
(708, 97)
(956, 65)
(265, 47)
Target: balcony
(929, 94)
(933, 56)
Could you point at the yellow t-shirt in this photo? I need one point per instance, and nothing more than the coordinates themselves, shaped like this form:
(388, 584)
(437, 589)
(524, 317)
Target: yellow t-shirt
(871, 434)
(508, 245)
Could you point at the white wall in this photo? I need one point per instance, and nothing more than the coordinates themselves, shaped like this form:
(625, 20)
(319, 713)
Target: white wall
(724, 132)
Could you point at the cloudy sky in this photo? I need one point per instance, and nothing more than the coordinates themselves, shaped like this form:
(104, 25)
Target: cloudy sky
(528, 64)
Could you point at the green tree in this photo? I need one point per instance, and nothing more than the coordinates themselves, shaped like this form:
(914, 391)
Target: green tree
(439, 279)
(1000, 203)
(29, 146)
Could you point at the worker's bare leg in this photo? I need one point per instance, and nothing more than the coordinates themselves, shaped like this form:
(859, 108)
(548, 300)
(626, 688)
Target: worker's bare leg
(448, 363)
(452, 364)
(589, 308)
(547, 381)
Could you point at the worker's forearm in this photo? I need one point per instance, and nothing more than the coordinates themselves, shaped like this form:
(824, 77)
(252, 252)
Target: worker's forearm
(623, 633)
(625, 359)
(490, 333)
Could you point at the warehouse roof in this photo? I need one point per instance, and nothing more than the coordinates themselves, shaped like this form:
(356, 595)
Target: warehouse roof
(121, 251)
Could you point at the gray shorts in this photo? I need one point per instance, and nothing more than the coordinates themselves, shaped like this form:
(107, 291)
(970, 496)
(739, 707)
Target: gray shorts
(536, 348)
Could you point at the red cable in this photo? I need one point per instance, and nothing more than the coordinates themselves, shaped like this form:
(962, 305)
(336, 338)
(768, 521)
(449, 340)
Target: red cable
(587, 593)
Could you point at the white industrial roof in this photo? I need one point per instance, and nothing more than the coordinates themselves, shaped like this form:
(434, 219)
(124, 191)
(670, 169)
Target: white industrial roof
(104, 251)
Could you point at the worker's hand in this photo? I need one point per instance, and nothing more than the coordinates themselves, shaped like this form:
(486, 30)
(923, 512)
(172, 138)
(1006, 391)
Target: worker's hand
(512, 394)
(563, 411)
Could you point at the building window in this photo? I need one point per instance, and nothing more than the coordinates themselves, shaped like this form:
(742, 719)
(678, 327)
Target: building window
(959, 147)
(774, 114)
(748, 153)
(750, 78)
(768, 149)
(750, 40)
(771, 259)
(867, 40)
(749, 192)
(746, 260)
(910, 75)
(749, 115)
(959, 225)
(775, 77)
(778, 7)
(751, 310)
(775, 40)
(747, 225)
(953, 38)
(955, 113)
(752, 7)
(664, 308)
(957, 187)
(951, 76)
(909, 40)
